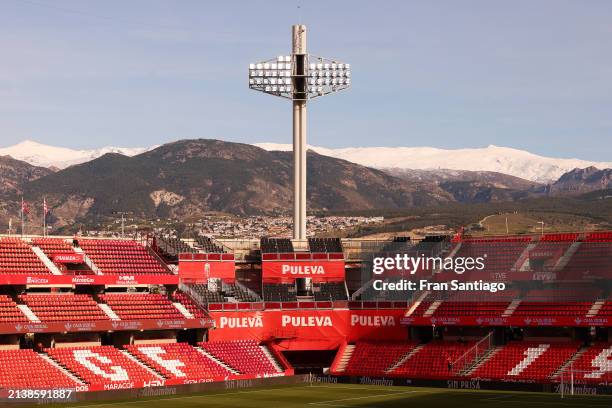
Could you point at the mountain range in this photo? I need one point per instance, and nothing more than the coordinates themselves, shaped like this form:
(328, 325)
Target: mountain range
(41, 155)
(188, 178)
(435, 161)
(505, 160)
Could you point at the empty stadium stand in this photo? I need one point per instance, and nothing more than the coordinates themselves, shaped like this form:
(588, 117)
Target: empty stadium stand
(563, 327)
(595, 364)
(526, 360)
(332, 245)
(240, 293)
(502, 254)
(206, 244)
(279, 292)
(9, 313)
(17, 257)
(433, 360)
(329, 291)
(556, 302)
(122, 257)
(134, 306)
(246, 356)
(102, 364)
(171, 247)
(179, 360)
(189, 304)
(276, 245)
(55, 246)
(208, 296)
(63, 307)
(26, 369)
(377, 358)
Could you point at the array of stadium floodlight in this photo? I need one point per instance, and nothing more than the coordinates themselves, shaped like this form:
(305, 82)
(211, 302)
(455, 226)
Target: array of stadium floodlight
(276, 76)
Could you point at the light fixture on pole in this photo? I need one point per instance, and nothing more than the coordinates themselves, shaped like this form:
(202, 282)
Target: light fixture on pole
(299, 77)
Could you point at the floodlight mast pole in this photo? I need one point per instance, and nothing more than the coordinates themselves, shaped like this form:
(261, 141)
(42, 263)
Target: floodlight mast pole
(299, 77)
(300, 96)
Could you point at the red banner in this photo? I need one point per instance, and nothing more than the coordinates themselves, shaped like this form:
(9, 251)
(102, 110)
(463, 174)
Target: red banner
(522, 321)
(288, 271)
(76, 280)
(308, 330)
(68, 258)
(103, 325)
(199, 271)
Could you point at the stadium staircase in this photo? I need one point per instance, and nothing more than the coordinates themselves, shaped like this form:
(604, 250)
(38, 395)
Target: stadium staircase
(87, 260)
(511, 308)
(432, 308)
(183, 310)
(567, 256)
(271, 358)
(413, 307)
(405, 358)
(474, 355)
(29, 313)
(344, 359)
(363, 288)
(482, 361)
(455, 249)
(61, 368)
(10, 312)
(133, 358)
(569, 362)
(46, 261)
(26, 369)
(595, 308)
(522, 263)
(178, 360)
(109, 312)
(594, 365)
(216, 360)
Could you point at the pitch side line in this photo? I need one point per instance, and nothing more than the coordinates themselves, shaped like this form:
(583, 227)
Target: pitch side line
(331, 402)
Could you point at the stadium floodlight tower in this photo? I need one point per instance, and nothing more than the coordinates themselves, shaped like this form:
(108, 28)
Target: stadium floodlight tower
(299, 77)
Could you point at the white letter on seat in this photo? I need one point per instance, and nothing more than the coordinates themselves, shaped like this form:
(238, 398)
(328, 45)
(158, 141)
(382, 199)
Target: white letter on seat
(154, 353)
(85, 357)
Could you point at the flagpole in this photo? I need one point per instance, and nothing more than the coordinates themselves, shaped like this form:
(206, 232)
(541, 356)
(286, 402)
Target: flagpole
(45, 217)
(22, 216)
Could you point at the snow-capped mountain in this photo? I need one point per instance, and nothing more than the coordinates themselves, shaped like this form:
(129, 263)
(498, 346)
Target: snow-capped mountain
(514, 162)
(42, 155)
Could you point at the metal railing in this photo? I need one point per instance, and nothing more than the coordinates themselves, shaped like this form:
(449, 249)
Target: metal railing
(473, 355)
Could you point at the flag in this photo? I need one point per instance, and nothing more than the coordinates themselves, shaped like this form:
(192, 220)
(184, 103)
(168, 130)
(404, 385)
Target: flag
(25, 208)
(45, 207)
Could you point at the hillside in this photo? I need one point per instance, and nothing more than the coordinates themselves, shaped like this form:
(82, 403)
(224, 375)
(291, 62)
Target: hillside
(14, 174)
(582, 181)
(590, 211)
(185, 179)
(474, 186)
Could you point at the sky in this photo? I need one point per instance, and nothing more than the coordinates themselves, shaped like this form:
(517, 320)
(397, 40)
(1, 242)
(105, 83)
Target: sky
(532, 75)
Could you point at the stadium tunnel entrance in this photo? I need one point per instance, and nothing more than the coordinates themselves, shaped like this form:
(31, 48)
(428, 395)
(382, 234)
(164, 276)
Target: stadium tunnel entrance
(310, 361)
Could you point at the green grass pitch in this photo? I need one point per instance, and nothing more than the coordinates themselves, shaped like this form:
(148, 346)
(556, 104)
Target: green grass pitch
(349, 396)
